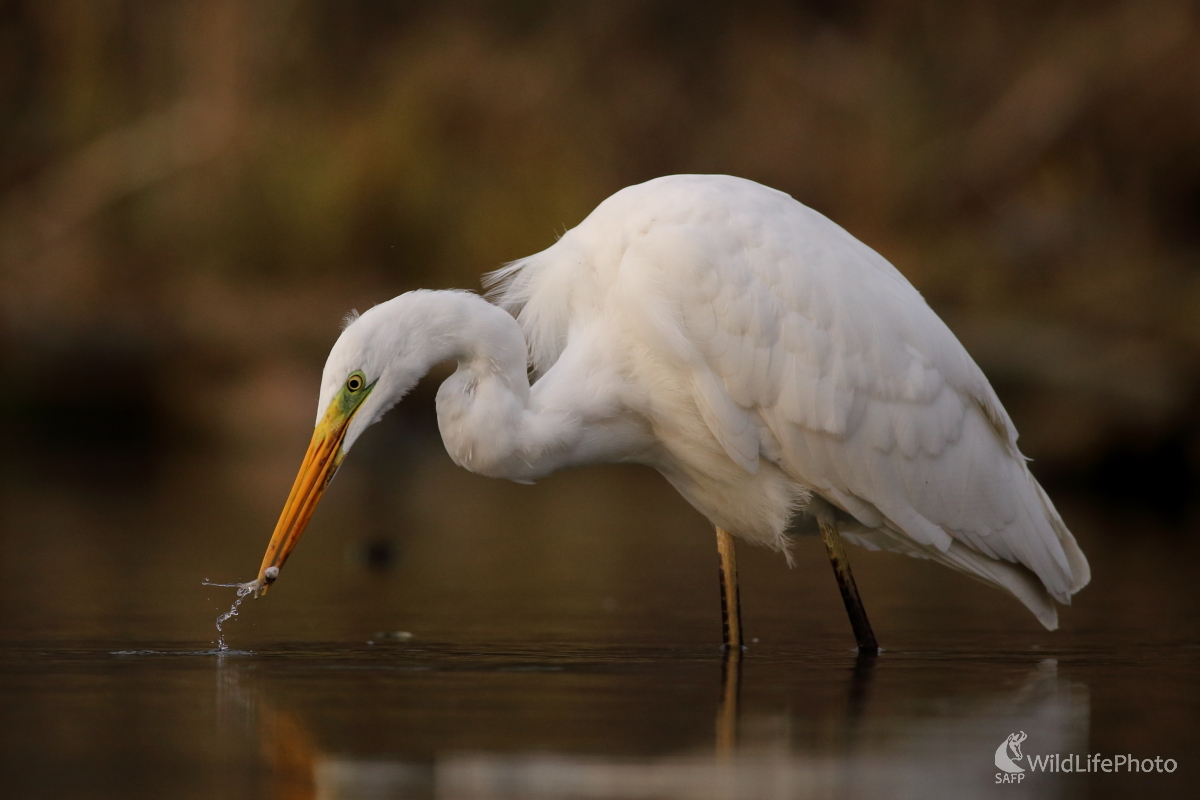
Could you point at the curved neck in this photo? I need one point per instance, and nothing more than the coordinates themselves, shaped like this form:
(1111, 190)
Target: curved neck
(490, 420)
(485, 340)
(482, 406)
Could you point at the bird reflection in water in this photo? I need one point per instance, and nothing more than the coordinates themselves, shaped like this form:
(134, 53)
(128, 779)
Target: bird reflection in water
(287, 746)
(941, 748)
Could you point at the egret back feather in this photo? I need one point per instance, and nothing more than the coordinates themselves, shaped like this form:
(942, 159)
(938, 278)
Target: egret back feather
(775, 358)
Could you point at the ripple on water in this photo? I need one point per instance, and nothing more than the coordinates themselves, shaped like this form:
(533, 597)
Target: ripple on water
(216, 651)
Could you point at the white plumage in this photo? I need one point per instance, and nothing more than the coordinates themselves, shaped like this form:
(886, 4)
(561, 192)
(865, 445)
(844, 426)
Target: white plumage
(759, 356)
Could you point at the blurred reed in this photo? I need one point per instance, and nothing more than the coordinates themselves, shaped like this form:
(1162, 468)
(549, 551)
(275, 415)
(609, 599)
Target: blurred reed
(193, 193)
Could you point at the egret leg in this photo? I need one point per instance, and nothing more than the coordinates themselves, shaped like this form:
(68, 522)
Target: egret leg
(731, 606)
(845, 579)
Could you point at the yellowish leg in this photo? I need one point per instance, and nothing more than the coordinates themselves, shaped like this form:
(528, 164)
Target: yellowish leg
(854, 606)
(731, 669)
(731, 607)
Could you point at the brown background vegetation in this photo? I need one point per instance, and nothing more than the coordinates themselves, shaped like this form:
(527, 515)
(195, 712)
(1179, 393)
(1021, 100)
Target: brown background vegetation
(193, 193)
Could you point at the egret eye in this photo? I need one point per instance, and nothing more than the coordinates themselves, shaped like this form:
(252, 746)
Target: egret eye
(355, 382)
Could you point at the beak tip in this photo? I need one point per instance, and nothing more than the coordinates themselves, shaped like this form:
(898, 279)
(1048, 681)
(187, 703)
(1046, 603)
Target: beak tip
(268, 577)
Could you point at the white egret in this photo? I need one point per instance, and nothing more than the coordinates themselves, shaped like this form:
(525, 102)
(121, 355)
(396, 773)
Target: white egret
(761, 358)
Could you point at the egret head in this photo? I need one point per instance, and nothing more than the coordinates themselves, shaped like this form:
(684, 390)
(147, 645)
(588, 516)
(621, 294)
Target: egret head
(364, 376)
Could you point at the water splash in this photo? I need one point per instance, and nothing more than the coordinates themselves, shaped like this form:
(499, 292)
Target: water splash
(243, 590)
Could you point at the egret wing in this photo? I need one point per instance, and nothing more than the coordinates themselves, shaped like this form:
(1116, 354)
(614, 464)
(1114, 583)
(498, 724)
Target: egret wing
(874, 403)
(804, 347)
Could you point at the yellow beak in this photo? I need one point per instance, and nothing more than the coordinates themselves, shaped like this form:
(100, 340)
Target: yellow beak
(320, 464)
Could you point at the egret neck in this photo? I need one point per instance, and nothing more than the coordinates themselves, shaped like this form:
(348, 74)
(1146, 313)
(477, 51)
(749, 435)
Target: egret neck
(484, 412)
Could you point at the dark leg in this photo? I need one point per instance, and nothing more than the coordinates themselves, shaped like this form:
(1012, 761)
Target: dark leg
(854, 607)
(731, 607)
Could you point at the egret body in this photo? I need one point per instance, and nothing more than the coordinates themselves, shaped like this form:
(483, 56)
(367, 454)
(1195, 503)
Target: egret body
(761, 358)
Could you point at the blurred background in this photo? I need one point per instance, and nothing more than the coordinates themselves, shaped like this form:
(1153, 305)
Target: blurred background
(194, 192)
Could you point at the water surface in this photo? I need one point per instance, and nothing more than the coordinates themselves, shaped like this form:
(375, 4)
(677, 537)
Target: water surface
(564, 644)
